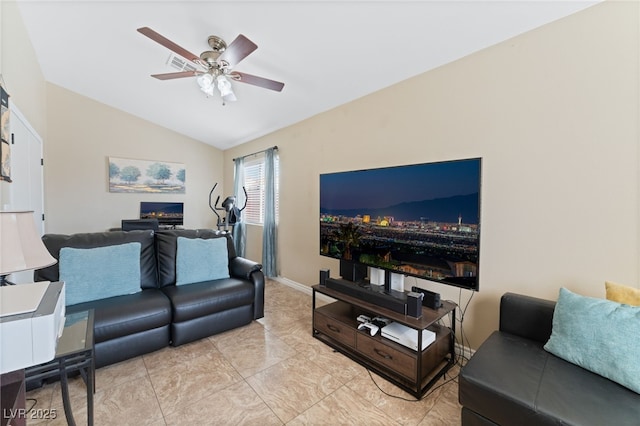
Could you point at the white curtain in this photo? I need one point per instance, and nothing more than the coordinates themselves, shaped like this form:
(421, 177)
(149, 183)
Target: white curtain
(269, 231)
(239, 232)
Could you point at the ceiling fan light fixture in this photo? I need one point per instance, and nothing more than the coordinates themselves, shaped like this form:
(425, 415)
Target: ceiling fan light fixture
(224, 86)
(217, 64)
(205, 81)
(208, 90)
(231, 97)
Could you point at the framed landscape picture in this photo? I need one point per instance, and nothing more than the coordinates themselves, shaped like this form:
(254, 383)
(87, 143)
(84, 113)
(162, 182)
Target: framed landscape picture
(130, 175)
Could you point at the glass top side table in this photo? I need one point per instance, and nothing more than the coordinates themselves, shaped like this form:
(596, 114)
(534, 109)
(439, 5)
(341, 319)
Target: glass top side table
(74, 353)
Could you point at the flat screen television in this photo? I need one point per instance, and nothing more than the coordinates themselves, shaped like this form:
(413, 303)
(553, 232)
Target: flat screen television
(420, 220)
(167, 214)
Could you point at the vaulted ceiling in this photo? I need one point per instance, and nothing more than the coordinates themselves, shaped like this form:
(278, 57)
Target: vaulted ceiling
(327, 53)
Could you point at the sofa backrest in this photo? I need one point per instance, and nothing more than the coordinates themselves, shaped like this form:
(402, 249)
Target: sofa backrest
(148, 268)
(166, 246)
(526, 316)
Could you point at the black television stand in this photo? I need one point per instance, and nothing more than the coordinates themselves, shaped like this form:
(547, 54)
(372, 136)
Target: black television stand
(414, 371)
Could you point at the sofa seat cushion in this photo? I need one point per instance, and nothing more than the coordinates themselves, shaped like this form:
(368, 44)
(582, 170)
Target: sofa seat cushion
(513, 380)
(129, 314)
(208, 297)
(501, 380)
(580, 397)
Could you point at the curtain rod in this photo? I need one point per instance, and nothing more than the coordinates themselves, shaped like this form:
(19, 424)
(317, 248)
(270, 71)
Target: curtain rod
(275, 147)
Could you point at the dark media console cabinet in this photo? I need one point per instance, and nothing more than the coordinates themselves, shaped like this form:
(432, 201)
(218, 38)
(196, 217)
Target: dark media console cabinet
(336, 325)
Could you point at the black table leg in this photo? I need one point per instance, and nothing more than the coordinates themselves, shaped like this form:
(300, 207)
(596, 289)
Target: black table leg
(65, 393)
(91, 383)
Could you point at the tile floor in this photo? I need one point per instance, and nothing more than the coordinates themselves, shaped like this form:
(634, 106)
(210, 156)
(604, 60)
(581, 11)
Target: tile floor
(270, 372)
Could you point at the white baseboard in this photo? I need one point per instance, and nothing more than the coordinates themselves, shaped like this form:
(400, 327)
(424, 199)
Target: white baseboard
(464, 350)
(303, 288)
(293, 284)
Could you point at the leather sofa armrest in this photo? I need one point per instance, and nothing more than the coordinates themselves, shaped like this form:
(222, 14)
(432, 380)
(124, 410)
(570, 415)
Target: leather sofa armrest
(241, 267)
(526, 316)
(252, 271)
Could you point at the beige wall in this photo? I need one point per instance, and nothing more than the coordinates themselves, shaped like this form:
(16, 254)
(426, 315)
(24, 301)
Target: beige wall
(80, 134)
(554, 114)
(22, 76)
(83, 134)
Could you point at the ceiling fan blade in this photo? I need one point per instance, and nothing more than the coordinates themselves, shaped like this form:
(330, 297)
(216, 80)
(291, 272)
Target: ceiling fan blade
(239, 49)
(168, 44)
(257, 81)
(172, 75)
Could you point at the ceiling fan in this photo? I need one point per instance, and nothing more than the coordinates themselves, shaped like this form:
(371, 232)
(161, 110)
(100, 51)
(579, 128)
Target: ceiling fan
(216, 65)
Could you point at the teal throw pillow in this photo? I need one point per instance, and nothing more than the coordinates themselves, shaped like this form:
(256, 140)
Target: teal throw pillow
(199, 259)
(100, 272)
(598, 335)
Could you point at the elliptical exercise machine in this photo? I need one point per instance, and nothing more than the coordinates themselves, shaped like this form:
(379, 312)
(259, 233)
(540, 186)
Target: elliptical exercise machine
(233, 213)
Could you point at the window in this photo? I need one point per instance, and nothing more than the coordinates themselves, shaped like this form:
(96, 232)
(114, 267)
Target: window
(254, 184)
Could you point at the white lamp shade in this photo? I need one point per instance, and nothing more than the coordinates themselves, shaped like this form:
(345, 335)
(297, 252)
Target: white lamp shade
(207, 90)
(21, 247)
(224, 86)
(205, 80)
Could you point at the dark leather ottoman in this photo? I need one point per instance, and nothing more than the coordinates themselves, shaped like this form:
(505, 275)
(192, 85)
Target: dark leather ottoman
(512, 380)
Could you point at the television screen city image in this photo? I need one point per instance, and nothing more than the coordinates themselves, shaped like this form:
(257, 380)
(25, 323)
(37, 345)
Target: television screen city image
(421, 220)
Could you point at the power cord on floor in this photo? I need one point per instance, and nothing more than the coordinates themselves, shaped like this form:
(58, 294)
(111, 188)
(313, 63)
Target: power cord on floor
(431, 390)
(35, 402)
(460, 358)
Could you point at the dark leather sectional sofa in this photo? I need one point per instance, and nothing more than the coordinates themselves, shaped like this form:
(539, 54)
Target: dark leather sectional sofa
(512, 380)
(161, 313)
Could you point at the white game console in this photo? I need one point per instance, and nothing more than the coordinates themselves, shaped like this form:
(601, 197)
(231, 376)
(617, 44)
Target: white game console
(407, 336)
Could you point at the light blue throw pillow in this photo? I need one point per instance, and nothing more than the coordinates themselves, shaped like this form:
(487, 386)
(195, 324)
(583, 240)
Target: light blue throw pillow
(199, 259)
(100, 272)
(598, 335)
